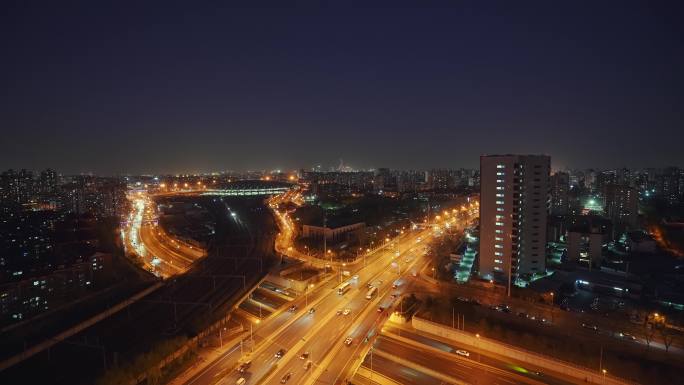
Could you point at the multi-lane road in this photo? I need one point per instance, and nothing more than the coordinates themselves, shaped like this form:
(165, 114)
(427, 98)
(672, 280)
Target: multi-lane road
(319, 336)
(316, 332)
(411, 358)
(330, 335)
(160, 253)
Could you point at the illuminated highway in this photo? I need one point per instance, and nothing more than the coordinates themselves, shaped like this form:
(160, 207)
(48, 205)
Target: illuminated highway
(321, 333)
(160, 253)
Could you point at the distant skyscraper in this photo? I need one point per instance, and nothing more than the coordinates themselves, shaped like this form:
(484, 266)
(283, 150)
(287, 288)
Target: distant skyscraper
(48, 181)
(383, 178)
(621, 206)
(560, 185)
(670, 185)
(441, 179)
(16, 186)
(513, 214)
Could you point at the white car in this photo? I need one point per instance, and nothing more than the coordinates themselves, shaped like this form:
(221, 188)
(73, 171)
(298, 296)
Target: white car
(463, 353)
(346, 311)
(348, 341)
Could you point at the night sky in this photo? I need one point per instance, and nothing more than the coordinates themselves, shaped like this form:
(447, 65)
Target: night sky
(147, 86)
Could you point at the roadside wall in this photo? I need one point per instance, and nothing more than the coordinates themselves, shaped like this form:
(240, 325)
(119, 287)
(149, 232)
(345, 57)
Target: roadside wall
(562, 367)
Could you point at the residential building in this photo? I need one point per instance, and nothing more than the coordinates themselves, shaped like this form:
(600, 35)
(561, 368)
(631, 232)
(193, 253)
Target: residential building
(560, 185)
(621, 206)
(513, 214)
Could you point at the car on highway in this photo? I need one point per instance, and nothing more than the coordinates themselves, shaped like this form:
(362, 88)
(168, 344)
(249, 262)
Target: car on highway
(338, 312)
(307, 366)
(292, 308)
(280, 353)
(286, 378)
(312, 310)
(381, 309)
(348, 341)
(304, 356)
(346, 311)
(241, 381)
(463, 353)
(393, 296)
(590, 327)
(244, 366)
(627, 336)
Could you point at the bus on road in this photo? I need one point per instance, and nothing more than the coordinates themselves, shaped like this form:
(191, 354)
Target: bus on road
(343, 288)
(371, 293)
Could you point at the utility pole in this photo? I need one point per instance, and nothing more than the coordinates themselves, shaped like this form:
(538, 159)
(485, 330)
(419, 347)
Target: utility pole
(325, 238)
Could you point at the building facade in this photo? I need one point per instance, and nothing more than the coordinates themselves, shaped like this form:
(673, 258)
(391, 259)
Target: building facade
(560, 186)
(513, 213)
(621, 206)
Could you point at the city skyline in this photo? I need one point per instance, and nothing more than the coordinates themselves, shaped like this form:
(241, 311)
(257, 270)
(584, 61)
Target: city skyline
(174, 90)
(397, 193)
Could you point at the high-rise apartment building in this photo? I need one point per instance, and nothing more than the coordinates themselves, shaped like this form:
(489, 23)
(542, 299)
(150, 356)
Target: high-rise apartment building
(48, 181)
(513, 212)
(621, 206)
(560, 185)
(670, 185)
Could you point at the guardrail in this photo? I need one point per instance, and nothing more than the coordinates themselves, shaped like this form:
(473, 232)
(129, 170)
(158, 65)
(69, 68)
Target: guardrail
(566, 368)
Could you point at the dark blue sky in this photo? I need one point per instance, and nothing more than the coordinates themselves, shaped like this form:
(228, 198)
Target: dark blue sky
(172, 87)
